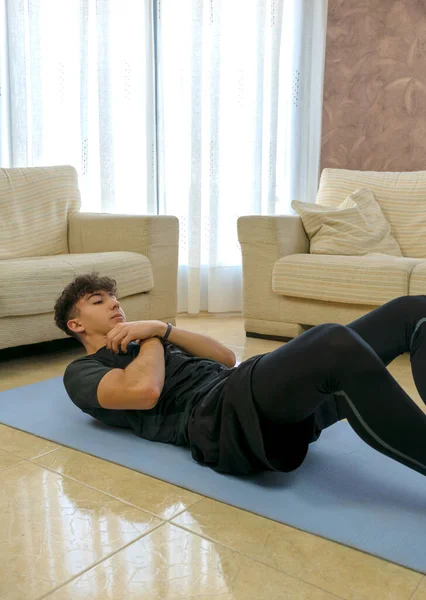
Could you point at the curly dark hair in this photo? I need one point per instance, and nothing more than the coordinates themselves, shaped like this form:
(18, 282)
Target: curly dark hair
(65, 305)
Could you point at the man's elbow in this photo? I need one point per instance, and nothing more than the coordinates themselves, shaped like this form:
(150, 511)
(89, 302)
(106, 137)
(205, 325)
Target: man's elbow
(151, 398)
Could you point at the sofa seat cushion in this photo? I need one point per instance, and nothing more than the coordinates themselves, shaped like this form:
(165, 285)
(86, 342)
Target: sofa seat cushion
(30, 286)
(372, 279)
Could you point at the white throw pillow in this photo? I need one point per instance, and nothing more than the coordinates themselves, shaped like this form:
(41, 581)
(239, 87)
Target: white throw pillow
(356, 227)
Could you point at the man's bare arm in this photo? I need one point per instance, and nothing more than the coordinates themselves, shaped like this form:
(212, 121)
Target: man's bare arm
(198, 344)
(147, 369)
(139, 385)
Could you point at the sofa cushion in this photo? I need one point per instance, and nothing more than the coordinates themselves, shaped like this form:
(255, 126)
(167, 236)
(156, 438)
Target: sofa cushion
(356, 227)
(35, 203)
(30, 286)
(372, 279)
(402, 198)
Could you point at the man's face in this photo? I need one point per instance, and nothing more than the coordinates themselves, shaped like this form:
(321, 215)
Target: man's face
(99, 313)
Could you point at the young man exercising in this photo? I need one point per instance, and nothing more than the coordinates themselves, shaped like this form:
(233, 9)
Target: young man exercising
(174, 386)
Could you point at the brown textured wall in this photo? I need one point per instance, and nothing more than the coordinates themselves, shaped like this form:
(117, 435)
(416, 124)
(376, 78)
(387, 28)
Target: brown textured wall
(374, 112)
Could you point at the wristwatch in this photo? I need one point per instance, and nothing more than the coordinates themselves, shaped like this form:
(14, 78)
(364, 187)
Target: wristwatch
(166, 335)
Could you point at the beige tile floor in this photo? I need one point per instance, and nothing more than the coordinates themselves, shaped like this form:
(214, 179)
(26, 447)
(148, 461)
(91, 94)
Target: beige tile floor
(75, 527)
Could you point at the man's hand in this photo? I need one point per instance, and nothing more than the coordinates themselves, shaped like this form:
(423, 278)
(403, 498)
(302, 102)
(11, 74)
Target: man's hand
(123, 333)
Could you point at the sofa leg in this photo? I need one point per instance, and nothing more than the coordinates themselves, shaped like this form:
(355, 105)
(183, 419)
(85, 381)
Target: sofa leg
(262, 336)
(273, 330)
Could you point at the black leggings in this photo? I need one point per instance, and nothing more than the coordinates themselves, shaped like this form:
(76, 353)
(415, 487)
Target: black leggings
(345, 366)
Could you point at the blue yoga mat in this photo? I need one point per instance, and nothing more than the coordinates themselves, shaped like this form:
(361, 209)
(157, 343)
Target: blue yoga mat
(344, 491)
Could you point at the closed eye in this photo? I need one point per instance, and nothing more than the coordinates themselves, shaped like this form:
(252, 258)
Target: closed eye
(99, 301)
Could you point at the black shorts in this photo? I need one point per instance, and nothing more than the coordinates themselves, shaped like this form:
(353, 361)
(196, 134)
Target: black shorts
(226, 432)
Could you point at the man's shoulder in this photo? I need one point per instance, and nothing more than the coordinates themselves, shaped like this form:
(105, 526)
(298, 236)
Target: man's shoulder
(83, 367)
(81, 379)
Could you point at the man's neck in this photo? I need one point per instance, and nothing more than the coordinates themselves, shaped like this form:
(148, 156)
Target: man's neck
(93, 346)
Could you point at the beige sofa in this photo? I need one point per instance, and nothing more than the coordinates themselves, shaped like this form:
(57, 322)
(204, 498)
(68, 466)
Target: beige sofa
(45, 242)
(287, 290)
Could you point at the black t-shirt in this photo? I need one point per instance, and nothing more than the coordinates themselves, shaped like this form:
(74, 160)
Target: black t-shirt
(188, 379)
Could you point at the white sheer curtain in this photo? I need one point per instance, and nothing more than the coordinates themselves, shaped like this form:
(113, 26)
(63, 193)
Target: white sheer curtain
(81, 87)
(237, 124)
(240, 106)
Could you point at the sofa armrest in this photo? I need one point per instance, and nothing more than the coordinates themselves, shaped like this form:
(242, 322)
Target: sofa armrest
(154, 236)
(284, 232)
(263, 240)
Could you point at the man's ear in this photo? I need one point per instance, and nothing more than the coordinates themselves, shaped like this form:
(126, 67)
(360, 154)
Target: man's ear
(74, 326)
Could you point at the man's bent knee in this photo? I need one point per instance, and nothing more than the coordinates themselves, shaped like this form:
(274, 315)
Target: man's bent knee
(343, 342)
